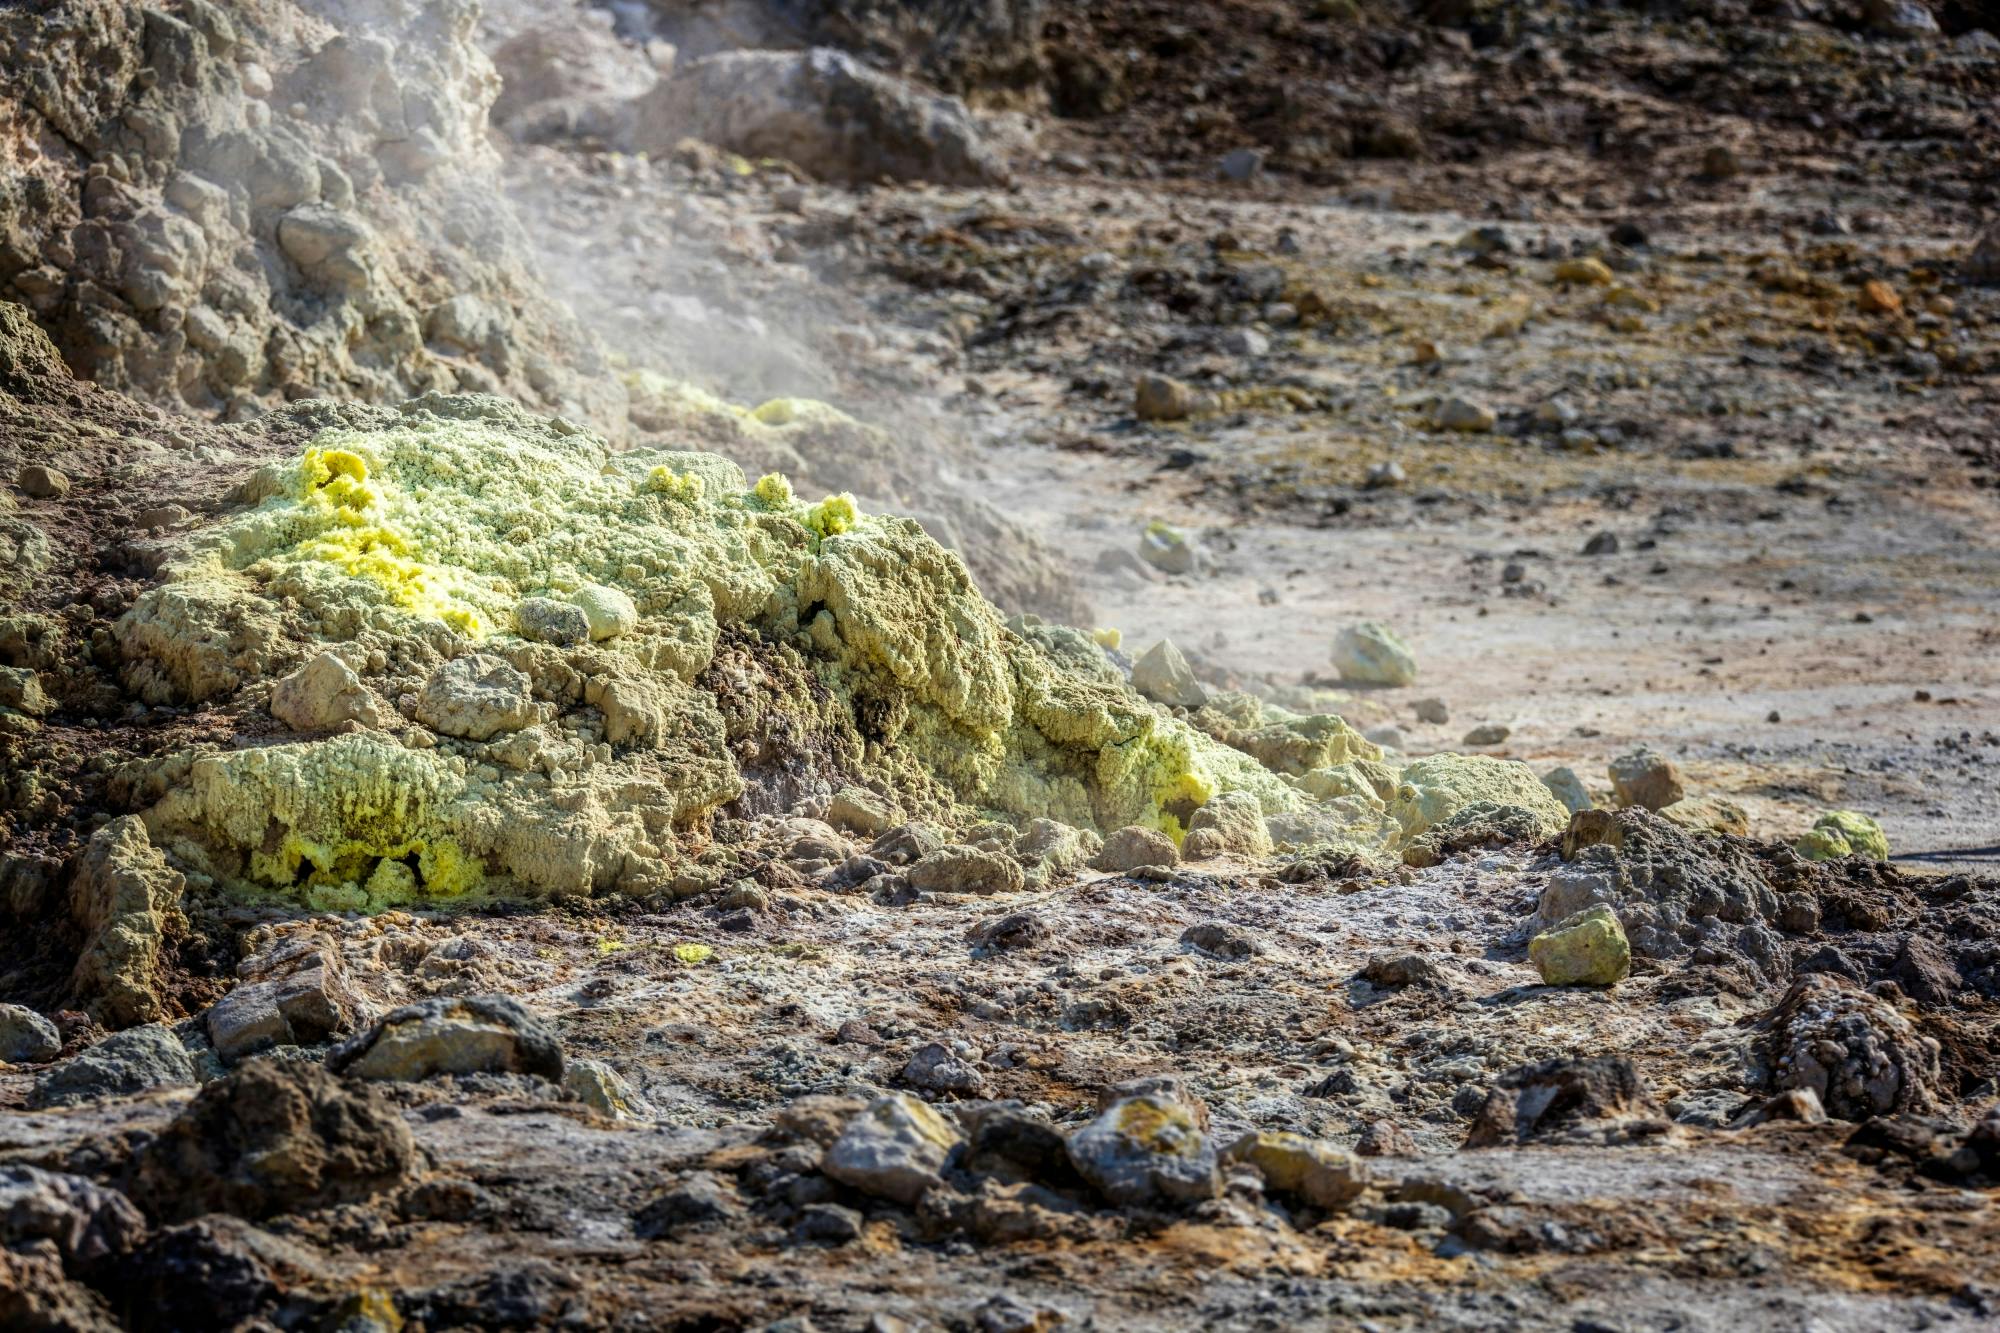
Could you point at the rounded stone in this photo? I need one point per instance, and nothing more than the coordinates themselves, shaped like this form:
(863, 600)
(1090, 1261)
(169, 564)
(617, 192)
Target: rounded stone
(609, 611)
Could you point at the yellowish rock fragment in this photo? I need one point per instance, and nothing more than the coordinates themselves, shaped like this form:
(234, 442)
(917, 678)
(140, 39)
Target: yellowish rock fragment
(1587, 949)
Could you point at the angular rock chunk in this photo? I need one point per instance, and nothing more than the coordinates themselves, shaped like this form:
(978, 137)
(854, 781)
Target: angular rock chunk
(1587, 949)
(298, 995)
(1463, 414)
(1566, 787)
(1132, 847)
(324, 693)
(43, 483)
(22, 691)
(861, 811)
(1014, 1144)
(474, 1035)
(476, 698)
(937, 1068)
(906, 844)
(1646, 778)
(1048, 849)
(1163, 675)
(1372, 654)
(966, 870)
(1219, 939)
(26, 1038)
(1398, 968)
(127, 898)
(1147, 1150)
(1168, 550)
(1229, 822)
(604, 1090)
(895, 1149)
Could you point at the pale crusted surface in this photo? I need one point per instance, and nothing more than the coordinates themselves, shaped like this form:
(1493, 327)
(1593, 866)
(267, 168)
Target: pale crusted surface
(289, 198)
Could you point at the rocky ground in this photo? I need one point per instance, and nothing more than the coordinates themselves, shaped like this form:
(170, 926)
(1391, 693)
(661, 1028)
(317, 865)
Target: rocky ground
(578, 858)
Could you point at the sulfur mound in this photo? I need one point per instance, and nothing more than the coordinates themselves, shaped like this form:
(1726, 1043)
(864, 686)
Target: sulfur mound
(409, 542)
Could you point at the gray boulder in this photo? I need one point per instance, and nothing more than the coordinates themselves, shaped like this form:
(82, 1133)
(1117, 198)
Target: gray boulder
(895, 1149)
(480, 1034)
(26, 1038)
(821, 110)
(1147, 1150)
(133, 1061)
(1163, 675)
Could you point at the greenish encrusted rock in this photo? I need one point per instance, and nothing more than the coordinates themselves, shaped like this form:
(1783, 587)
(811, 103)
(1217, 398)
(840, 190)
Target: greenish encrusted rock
(1586, 949)
(1839, 833)
(1147, 1149)
(608, 612)
(1433, 789)
(126, 900)
(1372, 653)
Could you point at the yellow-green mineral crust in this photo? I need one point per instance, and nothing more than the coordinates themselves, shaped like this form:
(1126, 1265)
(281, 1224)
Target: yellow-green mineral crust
(416, 539)
(1839, 833)
(555, 659)
(1433, 789)
(1587, 949)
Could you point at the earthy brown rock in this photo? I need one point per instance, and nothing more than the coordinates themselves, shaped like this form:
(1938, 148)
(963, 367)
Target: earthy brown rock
(274, 1138)
(1597, 1100)
(126, 899)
